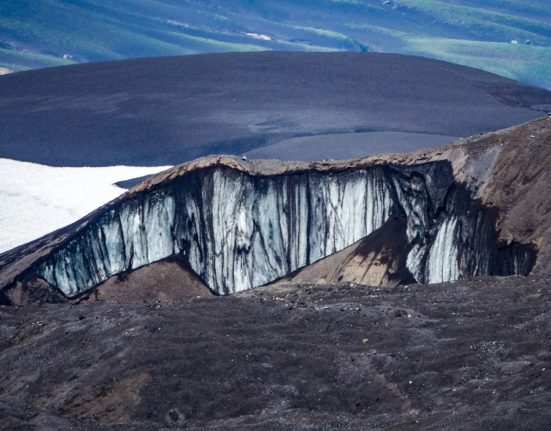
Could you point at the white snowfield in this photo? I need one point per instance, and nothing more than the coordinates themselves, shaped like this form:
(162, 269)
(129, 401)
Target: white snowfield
(37, 199)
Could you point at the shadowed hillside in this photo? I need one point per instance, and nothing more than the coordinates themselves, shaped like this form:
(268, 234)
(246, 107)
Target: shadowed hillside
(309, 106)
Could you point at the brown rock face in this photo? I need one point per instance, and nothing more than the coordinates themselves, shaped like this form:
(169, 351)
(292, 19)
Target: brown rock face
(519, 185)
(166, 281)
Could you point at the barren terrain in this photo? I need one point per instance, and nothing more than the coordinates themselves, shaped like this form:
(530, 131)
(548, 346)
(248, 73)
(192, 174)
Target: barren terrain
(470, 355)
(165, 111)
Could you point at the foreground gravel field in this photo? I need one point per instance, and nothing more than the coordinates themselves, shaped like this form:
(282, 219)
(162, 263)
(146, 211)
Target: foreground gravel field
(465, 356)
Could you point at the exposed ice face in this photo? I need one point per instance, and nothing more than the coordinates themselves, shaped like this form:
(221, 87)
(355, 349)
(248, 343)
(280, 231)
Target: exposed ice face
(236, 231)
(442, 260)
(239, 231)
(256, 229)
(414, 261)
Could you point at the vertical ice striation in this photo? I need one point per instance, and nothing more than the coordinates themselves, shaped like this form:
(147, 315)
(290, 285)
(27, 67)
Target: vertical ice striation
(414, 261)
(344, 208)
(138, 234)
(265, 227)
(442, 264)
(238, 231)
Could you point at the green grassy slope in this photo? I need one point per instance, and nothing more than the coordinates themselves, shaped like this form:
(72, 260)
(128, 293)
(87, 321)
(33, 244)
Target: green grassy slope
(509, 37)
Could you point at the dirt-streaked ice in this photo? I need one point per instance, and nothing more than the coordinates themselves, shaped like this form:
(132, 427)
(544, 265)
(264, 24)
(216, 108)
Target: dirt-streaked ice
(238, 231)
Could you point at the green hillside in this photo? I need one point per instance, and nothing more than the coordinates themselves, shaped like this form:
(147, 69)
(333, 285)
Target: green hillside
(511, 37)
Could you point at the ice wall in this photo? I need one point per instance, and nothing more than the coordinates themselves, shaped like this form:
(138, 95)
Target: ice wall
(238, 231)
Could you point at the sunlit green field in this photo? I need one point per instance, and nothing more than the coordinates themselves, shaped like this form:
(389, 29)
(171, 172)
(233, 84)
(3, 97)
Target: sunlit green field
(510, 37)
(530, 62)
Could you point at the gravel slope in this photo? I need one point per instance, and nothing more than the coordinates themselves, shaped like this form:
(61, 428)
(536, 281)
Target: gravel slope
(471, 355)
(164, 111)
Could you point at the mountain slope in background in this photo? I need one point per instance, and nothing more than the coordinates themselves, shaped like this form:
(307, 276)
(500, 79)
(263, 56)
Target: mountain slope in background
(511, 38)
(312, 106)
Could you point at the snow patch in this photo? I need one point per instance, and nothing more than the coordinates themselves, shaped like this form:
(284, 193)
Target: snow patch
(37, 199)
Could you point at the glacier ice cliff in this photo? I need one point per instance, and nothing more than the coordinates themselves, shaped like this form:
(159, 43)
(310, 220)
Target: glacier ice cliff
(238, 230)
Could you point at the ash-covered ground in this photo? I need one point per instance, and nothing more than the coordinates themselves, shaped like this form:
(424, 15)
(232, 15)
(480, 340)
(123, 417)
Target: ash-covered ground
(470, 355)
